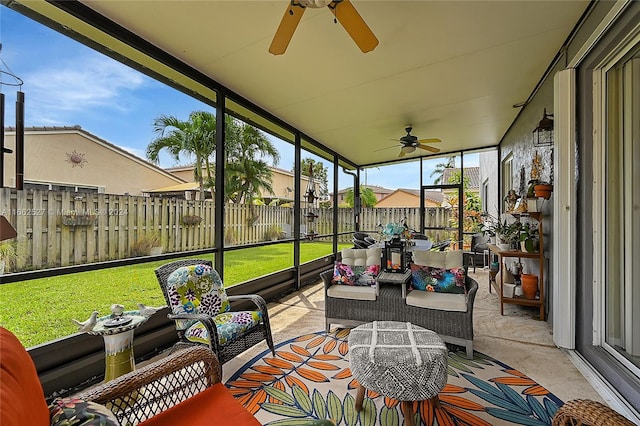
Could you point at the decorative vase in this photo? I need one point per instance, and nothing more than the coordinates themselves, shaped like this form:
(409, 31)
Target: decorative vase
(529, 285)
(543, 190)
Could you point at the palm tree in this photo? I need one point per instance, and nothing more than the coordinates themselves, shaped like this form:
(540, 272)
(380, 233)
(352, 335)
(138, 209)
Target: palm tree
(248, 172)
(440, 168)
(195, 137)
(367, 197)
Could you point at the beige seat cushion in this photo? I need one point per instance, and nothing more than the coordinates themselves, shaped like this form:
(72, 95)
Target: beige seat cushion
(341, 291)
(361, 257)
(439, 301)
(438, 259)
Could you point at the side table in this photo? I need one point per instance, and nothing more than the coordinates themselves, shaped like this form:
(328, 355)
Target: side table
(118, 342)
(395, 278)
(399, 360)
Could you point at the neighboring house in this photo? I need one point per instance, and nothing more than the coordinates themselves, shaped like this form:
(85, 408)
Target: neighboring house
(471, 174)
(379, 192)
(403, 197)
(282, 182)
(72, 159)
(187, 191)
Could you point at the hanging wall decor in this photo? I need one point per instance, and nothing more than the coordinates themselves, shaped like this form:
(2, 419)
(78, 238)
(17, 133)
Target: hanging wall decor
(76, 159)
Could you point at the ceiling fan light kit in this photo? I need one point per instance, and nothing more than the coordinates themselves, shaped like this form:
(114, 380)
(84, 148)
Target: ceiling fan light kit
(409, 143)
(344, 13)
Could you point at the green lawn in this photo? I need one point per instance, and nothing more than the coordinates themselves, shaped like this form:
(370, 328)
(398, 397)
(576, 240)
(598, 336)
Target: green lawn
(41, 310)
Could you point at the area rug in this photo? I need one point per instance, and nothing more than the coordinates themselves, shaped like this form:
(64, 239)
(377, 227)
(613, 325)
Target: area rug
(309, 379)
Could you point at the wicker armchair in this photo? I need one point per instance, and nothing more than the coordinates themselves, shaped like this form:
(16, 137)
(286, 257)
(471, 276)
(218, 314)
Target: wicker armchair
(584, 412)
(210, 318)
(149, 391)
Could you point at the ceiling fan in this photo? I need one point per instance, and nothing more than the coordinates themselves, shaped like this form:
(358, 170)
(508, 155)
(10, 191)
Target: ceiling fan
(344, 13)
(409, 143)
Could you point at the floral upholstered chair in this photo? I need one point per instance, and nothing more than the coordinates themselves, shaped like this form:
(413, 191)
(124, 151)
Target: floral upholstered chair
(202, 311)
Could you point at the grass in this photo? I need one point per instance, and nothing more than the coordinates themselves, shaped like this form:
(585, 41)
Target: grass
(40, 310)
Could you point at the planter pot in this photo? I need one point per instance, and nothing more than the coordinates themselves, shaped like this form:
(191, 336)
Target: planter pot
(529, 285)
(543, 191)
(518, 291)
(503, 246)
(508, 290)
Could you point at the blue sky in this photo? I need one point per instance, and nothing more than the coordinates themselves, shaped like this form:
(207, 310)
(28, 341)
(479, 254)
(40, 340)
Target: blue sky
(67, 83)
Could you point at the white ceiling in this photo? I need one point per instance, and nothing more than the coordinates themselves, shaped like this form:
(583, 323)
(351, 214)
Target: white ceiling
(452, 69)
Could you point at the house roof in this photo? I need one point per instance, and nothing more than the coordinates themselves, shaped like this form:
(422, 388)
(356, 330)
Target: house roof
(375, 188)
(435, 196)
(471, 173)
(98, 140)
(188, 186)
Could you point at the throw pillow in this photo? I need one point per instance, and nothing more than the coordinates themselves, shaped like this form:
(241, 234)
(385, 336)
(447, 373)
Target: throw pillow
(355, 275)
(438, 280)
(196, 289)
(366, 275)
(76, 412)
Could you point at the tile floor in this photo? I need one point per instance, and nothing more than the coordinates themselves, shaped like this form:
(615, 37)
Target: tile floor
(516, 338)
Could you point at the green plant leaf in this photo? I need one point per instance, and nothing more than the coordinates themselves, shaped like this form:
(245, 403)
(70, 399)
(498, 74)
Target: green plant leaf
(302, 399)
(334, 407)
(283, 410)
(389, 416)
(279, 394)
(319, 405)
(369, 412)
(350, 413)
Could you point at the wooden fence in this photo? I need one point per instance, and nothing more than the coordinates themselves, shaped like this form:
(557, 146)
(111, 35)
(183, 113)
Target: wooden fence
(59, 228)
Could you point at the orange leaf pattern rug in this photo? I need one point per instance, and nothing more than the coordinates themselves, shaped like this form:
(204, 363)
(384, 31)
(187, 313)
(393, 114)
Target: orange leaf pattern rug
(309, 379)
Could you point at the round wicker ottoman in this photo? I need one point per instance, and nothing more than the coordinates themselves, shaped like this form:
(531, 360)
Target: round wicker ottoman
(398, 360)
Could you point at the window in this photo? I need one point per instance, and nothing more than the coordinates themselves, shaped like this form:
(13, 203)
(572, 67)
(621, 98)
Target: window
(620, 303)
(507, 175)
(485, 195)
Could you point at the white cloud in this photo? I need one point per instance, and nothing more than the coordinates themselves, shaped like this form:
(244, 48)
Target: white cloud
(79, 85)
(135, 151)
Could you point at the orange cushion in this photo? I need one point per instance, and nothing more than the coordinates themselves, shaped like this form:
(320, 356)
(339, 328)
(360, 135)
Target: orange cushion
(21, 395)
(214, 406)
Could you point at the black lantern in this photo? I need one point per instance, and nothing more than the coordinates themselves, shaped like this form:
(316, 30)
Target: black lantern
(393, 256)
(543, 134)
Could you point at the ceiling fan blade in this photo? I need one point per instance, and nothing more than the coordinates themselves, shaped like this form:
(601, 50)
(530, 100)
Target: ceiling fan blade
(432, 140)
(353, 23)
(402, 153)
(287, 27)
(389, 147)
(428, 148)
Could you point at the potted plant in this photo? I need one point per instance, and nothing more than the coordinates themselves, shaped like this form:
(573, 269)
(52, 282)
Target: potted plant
(507, 233)
(543, 189)
(529, 237)
(192, 219)
(8, 255)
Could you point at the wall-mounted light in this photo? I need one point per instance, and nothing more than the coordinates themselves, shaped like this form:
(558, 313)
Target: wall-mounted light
(543, 134)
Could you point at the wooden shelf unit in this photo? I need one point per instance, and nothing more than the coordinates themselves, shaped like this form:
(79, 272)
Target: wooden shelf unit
(539, 255)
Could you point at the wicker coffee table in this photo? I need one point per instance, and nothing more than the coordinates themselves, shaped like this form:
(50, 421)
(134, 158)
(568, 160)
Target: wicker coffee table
(398, 360)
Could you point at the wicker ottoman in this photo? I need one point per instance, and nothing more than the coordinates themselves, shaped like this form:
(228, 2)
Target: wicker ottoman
(398, 360)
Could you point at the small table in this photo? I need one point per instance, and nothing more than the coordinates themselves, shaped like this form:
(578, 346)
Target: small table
(398, 360)
(401, 278)
(118, 342)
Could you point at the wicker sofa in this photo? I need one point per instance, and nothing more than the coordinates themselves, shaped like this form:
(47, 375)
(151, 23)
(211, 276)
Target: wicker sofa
(182, 389)
(351, 306)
